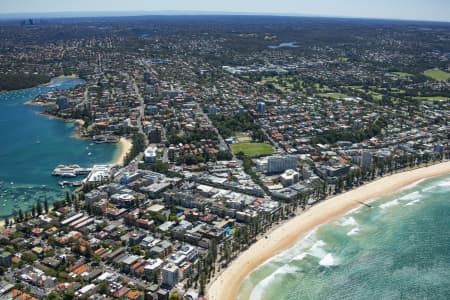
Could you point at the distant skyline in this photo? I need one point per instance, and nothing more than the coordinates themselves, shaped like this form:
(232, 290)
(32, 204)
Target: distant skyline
(432, 10)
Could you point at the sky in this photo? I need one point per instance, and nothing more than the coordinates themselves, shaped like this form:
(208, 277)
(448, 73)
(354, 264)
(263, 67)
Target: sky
(435, 10)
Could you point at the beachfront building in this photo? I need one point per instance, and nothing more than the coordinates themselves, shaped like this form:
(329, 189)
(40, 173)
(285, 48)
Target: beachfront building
(366, 159)
(279, 164)
(150, 154)
(100, 173)
(289, 177)
(170, 275)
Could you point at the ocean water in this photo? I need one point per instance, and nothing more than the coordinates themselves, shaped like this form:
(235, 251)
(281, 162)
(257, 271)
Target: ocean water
(32, 145)
(398, 249)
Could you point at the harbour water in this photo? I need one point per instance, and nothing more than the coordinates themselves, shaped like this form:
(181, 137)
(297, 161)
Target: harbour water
(285, 45)
(398, 249)
(33, 144)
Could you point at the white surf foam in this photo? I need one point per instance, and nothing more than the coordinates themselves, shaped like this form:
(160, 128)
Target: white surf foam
(414, 202)
(301, 256)
(410, 196)
(349, 222)
(258, 290)
(445, 183)
(317, 250)
(354, 231)
(389, 204)
(428, 189)
(358, 208)
(412, 185)
(305, 243)
(328, 261)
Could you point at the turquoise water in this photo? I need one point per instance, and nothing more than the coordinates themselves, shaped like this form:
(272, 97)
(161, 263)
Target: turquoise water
(32, 145)
(399, 249)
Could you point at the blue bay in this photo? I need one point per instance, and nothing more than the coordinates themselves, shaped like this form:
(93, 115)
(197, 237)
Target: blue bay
(32, 145)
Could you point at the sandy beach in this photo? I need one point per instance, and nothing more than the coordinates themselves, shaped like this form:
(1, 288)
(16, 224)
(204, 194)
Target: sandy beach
(71, 76)
(227, 284)
(39, 103)
(125, 147)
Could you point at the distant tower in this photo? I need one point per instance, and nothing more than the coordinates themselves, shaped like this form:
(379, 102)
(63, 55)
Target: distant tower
(152, 109)
(261, 107)
(366, 159)
(146, 77)
(62, 102)
(212, 110)
(357, 124)
(155, 135)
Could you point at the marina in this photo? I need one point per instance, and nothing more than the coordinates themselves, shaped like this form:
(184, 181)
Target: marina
(31, 139)
(70, 171)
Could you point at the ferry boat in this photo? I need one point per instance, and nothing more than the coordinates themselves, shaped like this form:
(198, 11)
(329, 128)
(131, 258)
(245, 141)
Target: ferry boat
(102, 139)
(70, 171)
(65, 171)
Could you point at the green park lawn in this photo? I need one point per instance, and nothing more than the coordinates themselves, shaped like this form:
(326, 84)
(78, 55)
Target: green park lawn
(334, 95)
(252, 149)
(402, 74)
(432, 98)
(437, 75)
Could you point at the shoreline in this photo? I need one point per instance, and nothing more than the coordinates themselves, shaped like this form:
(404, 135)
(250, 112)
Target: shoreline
(79, 123)
(72, 76)
(125, 144)
(226, 286)
(39, 103)
(125, 147)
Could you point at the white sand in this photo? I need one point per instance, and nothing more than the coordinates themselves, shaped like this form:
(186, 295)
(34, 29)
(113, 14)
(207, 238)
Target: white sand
(125, 147)
(226, 285)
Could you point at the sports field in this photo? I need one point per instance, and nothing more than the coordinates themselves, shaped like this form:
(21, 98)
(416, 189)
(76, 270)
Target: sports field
(437, 75)
(252, 149)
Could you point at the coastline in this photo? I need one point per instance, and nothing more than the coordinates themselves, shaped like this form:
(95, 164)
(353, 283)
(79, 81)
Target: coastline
(78, 122)
(125, 147)
(72, 76)
(39, 103)
(227, 284)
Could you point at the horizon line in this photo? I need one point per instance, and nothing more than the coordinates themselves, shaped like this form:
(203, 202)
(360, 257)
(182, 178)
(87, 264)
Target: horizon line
(119, 13)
